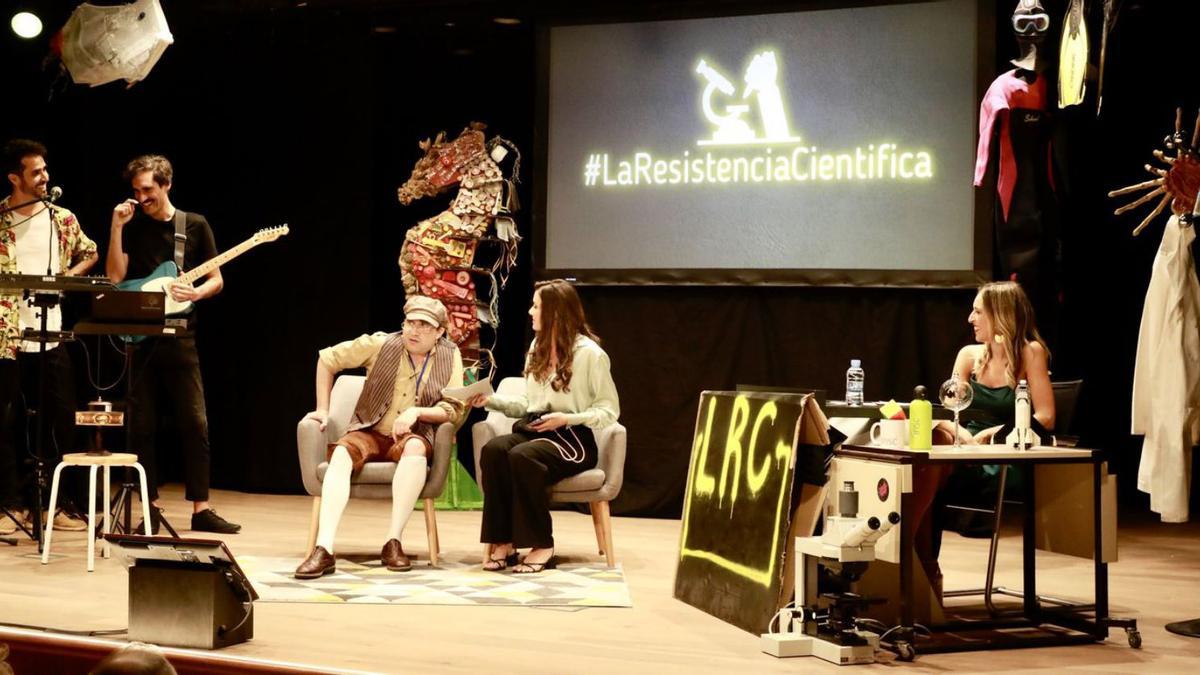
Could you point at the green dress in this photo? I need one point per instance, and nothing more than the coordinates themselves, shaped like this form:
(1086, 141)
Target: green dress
(996, 404)
(976, 484)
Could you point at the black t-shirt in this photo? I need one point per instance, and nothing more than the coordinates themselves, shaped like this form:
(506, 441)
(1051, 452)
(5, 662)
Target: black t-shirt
(149, 243)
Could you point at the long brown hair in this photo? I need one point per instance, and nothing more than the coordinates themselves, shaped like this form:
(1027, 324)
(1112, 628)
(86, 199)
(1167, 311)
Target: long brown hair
(1013, 320)
(562, 323)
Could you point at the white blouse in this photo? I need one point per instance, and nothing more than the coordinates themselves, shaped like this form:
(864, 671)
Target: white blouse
(590, 399)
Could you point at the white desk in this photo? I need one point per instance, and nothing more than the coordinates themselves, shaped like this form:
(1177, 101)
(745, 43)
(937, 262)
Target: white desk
(1090, 623)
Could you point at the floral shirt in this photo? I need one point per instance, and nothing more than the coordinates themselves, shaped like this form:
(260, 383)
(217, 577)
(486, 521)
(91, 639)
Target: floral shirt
(73, 246)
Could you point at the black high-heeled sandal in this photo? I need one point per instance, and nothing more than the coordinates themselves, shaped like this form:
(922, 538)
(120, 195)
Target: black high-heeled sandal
(534, 568)
(500, 564)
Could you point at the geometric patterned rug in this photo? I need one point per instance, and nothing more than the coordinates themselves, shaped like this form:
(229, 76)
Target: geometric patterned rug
(451, 583)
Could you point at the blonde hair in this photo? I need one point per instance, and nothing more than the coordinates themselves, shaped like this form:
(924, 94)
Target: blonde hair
(1013, 322)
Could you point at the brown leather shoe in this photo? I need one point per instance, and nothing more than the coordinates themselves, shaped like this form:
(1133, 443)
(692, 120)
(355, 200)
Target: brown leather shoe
(393, 557)
(319, 563)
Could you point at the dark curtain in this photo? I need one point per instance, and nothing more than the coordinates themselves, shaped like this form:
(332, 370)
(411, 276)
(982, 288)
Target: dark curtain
(669, 344)
(310, 116)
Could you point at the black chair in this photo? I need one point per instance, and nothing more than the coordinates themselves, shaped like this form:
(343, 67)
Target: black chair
(1066, 394)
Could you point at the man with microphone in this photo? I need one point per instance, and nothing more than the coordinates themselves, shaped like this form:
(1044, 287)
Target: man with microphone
(41, 238)
(147, 231)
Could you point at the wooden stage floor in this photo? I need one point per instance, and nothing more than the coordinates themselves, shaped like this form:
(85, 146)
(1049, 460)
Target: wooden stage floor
(1156, 581)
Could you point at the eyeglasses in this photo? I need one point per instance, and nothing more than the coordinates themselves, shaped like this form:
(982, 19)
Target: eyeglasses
(1026, 24)
(417, 326)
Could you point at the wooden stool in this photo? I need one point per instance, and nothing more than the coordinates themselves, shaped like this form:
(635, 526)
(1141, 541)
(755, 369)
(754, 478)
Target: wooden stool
(95, 462)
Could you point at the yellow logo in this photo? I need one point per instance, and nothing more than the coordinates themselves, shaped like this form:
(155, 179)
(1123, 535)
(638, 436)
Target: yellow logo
(749, 123)
(760, 83)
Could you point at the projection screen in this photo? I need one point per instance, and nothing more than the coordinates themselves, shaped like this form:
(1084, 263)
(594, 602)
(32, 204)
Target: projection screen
(832, 146)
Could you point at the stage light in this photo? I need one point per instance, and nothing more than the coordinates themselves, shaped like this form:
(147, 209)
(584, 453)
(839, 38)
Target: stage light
(507, 21)
(26, 24)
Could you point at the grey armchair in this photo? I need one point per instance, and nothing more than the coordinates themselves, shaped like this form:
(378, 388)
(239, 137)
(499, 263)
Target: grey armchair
(375, 479)
(596, 486)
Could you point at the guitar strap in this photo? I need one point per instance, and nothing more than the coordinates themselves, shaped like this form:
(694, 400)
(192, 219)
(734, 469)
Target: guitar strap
(180, 237)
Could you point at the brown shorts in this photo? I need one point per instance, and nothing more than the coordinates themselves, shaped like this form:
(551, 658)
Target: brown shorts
(368, 445)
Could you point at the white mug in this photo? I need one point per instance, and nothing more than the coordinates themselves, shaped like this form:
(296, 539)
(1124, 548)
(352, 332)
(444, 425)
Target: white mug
(891, 433)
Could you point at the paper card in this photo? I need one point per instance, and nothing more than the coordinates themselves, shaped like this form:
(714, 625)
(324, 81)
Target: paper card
(483, 387)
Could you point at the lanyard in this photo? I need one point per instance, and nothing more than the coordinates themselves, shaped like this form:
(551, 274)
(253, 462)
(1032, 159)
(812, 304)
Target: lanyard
(417, 389)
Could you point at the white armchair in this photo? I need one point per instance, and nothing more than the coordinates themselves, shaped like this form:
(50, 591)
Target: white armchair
(375, 479)
(597, 486)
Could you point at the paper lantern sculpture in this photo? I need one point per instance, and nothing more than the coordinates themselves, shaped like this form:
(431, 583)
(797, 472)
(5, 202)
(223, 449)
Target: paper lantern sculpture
(122, 42)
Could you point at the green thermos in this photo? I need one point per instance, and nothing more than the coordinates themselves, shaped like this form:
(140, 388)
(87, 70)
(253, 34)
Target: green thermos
(920, 421)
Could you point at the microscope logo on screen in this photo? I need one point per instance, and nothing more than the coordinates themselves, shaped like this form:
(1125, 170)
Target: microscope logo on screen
(751, 141)
(761, 83)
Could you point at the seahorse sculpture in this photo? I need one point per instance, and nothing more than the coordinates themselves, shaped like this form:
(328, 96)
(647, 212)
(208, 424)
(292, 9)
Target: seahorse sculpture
(438, 257)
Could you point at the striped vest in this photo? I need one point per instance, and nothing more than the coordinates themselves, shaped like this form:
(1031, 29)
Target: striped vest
(376, 396)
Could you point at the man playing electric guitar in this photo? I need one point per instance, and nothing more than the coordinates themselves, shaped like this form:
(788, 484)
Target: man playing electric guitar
(166, 369)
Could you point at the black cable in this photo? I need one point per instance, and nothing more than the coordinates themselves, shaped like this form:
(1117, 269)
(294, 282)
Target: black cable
(222, 631)
(247, 592)
(134, 377)
(87, 355)
(22, 222)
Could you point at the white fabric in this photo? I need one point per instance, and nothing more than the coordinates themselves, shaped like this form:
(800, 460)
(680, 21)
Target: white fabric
(406, 487)
(335, 492)
(33, 253)
(1166, 379)
(106, 43)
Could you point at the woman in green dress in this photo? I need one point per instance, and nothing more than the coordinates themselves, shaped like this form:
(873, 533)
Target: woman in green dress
(1009, 349)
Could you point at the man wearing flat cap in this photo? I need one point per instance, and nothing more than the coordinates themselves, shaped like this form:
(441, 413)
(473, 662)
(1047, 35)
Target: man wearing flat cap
(395, 418)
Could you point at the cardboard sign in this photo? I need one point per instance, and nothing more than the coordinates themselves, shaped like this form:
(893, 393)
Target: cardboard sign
(738, 505)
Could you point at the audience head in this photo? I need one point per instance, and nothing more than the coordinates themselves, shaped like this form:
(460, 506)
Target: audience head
(136, 658)
(558, 320)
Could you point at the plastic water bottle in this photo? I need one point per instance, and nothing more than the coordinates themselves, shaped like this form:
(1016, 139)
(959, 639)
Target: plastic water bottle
(854, 383)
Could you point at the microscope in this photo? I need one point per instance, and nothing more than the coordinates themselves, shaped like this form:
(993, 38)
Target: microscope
(731, 129)
(830, 628)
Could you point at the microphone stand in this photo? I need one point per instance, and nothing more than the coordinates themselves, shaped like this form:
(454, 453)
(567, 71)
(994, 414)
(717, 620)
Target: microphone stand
(49, 198)
(31, 202)
(38, 476)
(45, 301)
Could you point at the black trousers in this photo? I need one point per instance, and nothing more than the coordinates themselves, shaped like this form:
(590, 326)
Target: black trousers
(167, 371)
(20, 391)
(517, 469)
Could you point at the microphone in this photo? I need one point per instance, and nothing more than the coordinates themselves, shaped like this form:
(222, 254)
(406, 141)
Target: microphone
(54, 195)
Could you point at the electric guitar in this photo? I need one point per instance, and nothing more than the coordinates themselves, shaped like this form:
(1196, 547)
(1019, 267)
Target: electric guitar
(167, 273)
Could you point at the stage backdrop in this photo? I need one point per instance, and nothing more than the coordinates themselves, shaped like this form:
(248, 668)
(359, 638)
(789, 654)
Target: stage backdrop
(309, 115)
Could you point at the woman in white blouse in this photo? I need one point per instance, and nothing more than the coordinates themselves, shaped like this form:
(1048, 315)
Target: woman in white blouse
(568, 392)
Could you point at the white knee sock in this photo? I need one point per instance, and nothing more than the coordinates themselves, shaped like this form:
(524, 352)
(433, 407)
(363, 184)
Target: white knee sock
(335, 492)
(406, 487)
